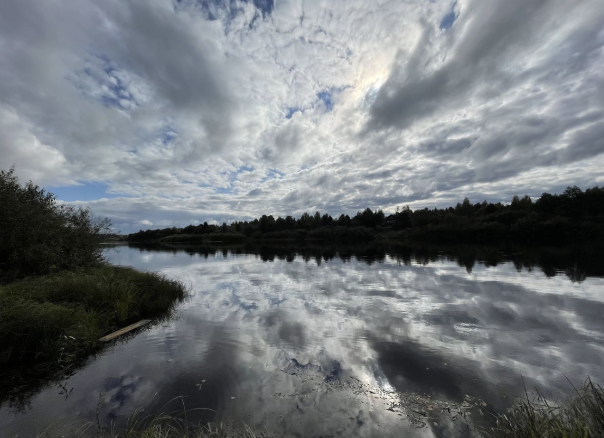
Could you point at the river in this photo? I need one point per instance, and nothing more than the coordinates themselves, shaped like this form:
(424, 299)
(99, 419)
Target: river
(342, 342)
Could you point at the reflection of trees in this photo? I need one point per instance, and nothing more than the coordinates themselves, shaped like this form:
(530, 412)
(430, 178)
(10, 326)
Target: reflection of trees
(575, 273)
(577, 263)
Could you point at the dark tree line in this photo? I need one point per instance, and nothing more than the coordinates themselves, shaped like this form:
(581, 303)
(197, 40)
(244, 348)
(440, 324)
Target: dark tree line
(307, 226)
(573, 215)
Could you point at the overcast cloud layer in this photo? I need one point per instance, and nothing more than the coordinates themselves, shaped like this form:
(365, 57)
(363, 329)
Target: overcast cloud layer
(160, 113)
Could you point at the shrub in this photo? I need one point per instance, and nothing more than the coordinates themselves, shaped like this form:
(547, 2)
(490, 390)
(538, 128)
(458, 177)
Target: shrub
(38, 236)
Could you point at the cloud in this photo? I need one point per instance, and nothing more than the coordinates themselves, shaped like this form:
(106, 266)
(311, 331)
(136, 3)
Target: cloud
(195, 105)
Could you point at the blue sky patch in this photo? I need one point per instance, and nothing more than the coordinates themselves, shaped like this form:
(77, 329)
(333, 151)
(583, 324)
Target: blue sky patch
(448, 20)
(272, 174)
(245, 168)
(84, 192)
(266, 6)
(223, 190)
(168, 134)
(325, 97)
(113, 91)
(290, 111)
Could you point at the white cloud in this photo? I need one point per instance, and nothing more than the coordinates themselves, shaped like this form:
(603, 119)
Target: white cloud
(354, 103)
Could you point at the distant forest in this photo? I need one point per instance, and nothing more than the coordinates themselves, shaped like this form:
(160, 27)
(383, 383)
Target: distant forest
(572, 216)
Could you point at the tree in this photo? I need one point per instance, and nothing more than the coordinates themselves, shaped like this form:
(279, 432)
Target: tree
(403, 217)
(522, 204)
(465, 208)
(267, 223)
(344, 220)
(316, 220)
(38, 237)
(326, 220)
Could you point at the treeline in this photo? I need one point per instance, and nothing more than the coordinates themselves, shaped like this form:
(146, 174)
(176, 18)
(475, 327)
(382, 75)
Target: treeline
(572, 216)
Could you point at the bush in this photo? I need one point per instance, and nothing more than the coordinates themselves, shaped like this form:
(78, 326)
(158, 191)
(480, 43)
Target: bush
(60, 317)
(39, 237)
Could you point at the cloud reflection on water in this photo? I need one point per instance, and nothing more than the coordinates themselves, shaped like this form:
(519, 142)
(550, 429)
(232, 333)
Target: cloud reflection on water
(275, 334)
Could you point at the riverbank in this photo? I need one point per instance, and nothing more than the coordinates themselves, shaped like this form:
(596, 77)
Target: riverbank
(558, 233)
(54, 320)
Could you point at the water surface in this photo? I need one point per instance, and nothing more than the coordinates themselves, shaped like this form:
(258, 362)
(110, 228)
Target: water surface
(328, 342)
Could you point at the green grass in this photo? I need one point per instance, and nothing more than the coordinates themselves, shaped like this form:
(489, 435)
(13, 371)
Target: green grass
(580, 417)
(57, 319)
(173, 425)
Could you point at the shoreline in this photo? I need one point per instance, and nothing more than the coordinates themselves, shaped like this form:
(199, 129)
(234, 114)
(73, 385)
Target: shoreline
(54, 323)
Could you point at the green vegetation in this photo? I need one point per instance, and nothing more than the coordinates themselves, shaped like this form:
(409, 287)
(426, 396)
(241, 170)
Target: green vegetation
(38, 236)
(60, 317)
(581, 417)
(57, 295)
(571, 217)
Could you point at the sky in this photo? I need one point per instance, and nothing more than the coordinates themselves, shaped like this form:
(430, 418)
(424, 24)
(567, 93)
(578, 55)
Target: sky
(159, 113)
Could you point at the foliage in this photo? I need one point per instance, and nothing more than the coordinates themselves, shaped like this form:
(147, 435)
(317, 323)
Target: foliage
(573, 216)
(59, 318)
(581, 417)
(38, 236)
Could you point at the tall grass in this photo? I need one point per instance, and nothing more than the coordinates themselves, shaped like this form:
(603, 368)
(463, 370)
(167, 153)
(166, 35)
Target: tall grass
(168, 425)
(580, 417)
(59, 318)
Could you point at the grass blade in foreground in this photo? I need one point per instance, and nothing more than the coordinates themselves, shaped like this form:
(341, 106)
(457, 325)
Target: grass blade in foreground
(581, 417)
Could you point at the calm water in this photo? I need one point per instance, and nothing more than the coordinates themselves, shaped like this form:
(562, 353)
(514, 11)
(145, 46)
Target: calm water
(343, 343)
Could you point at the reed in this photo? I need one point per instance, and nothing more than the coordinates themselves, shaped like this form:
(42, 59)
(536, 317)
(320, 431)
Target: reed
(581, 416)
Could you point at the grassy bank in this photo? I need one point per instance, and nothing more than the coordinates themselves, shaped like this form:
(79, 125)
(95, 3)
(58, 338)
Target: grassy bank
(59, 318)
(580, 417)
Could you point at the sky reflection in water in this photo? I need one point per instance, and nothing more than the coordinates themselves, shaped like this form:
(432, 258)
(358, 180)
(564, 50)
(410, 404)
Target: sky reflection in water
(271, 342)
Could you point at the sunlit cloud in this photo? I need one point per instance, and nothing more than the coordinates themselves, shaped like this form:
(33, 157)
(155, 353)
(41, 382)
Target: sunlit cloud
(227, 110)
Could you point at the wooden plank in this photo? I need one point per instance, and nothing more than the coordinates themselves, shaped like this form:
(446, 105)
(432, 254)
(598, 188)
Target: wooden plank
(125, 330)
